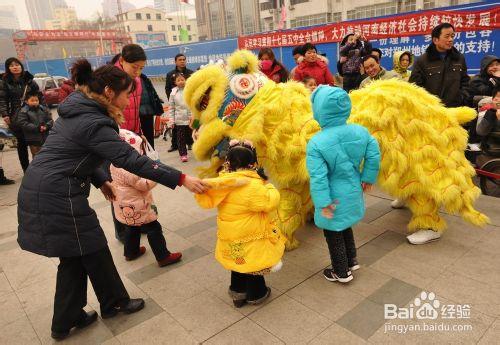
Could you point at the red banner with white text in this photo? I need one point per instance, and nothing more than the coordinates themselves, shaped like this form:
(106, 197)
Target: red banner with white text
(418, 23)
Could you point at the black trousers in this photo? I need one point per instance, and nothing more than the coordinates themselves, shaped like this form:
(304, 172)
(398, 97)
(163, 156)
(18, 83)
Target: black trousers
(174, 138)
(132, 240)
(71, 287)
(342, 250)
(184, 138)
(351, 81)
(148, 128)
(22, 150)
(253, 285)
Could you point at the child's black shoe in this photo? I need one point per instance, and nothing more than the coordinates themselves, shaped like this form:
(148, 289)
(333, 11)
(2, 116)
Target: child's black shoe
(331, 276)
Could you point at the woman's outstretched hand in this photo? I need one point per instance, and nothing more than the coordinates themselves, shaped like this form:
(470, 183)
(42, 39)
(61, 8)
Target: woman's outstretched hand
(108, 191)
(195, 185)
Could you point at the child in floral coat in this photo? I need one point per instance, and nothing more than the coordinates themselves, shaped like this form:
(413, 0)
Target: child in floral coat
(134, 207)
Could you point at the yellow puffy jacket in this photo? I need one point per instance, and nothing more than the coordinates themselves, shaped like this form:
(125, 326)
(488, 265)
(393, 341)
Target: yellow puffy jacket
(248, 239)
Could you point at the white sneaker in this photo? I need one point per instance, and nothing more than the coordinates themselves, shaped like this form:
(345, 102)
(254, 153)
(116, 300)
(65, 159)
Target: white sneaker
(398, 203)
(475, 147)
(423, 236)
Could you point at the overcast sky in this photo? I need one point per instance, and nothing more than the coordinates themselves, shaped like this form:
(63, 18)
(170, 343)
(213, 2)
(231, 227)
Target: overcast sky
(84, 8)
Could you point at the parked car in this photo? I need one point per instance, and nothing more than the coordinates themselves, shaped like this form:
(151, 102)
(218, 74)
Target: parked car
(49, 86)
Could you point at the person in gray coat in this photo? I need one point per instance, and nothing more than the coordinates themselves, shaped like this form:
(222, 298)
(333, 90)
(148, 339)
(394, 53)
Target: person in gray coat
(54, 215)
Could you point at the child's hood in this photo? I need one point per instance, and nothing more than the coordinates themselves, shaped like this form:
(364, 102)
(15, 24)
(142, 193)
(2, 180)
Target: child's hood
(331, 106)
(397, 63)
(132, 139)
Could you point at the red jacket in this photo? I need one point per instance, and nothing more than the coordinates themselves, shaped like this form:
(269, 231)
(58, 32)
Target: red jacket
(65, 90)
(131, 112)
(276, 74)
(317, 69)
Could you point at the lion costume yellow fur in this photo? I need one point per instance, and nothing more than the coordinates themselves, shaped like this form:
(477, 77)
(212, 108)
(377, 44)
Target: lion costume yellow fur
(422, 142)
(422, 146)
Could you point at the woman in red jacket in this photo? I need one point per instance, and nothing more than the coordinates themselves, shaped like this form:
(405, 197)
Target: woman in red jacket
(271, 67)
(313, 66)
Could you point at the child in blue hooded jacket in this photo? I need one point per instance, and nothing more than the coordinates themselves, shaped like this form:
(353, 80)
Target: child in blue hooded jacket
(343, 160)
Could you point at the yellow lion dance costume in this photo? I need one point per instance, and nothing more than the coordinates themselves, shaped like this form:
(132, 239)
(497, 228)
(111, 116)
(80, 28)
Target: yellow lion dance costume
(422, 146)
(421, 141)
(240, 103)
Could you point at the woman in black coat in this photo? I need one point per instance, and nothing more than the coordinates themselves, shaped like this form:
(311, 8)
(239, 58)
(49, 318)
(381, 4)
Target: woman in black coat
(55, 218)
(14, 85)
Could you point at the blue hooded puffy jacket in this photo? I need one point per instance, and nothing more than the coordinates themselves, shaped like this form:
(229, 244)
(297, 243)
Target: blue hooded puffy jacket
(339, 158)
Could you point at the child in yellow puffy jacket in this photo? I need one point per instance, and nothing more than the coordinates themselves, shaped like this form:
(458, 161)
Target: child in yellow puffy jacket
(249, 243)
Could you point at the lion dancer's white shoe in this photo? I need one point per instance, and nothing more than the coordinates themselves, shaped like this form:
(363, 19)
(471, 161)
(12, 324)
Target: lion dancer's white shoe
(423, 236)
(398, 203)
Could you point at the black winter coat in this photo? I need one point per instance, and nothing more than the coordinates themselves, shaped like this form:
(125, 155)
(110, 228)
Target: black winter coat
(11, 93)
(151, 103)
(170, 79)
(30, 120)
(489, 128)
(54, 215)
(483, 83)
(447, 79)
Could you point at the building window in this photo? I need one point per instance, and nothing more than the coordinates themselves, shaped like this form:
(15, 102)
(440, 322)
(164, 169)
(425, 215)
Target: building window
(174, 38)
(150, 27)
(230, 13)
(295, 2)
(267, 5)
(179, 27)
(158, 16)
(335, 17)
(189, 27)
(173, 27)
(314, 19)
(429, 4)
(381, 9)
(148, 15)
(128, 28)
(250, 23)
(215, 20)
(190, 37)
(408, 6)
(138, 16)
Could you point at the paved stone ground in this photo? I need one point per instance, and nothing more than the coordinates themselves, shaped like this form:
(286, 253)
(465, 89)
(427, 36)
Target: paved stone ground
(188, 303)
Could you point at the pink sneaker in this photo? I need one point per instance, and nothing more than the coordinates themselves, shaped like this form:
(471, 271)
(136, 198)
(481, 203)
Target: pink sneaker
(184, 159)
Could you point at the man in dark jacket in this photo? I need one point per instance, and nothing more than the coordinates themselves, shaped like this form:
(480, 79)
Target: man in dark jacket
(441, 70)
(488, 78)
(180, 67)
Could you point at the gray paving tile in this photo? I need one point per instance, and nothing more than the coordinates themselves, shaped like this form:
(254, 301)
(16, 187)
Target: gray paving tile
(364, 319)
(368, 254)
(150, 271)
(377, 210)
(396, 292)
(101, 204)
(8, 245)
(123, 322)
(197, 227)
(388, 240)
